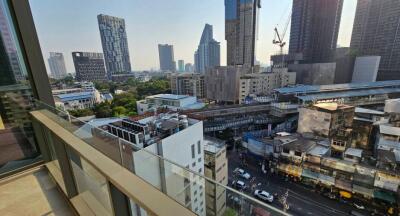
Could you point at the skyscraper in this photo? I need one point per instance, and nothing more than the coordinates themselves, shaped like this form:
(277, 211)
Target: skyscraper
(189, 67)
(181, 66)
(166, 54)
(376, 32)
(57, 65)
(241, 31)
(9, 46)
(207, 54)
(314, 29)
(89, 66)
(115, 44)
(7, 77)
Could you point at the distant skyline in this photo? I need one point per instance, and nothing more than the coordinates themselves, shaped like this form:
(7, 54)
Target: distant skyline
(67, 26)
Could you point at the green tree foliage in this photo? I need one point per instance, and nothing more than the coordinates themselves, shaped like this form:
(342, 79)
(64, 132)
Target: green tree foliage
(81, 112)
(119, 111)
(125, 104)
(103, 110)
(154, 86)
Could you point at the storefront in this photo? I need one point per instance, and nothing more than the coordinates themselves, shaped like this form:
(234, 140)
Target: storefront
(291, 170)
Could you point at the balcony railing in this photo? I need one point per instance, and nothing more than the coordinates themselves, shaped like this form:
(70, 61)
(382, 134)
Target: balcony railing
(102, 163)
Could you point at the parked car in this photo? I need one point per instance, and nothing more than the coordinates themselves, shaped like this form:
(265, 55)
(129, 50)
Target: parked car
(242, 173)
(264, 196)
(358, 205)
(239, 185)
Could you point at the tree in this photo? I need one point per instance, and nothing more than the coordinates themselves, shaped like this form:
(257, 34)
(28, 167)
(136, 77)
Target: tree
(81, 112)
(119, 111)
(103, 110)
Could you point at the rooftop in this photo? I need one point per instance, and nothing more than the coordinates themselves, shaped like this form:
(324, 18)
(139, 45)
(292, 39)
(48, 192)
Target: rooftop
(303, 89)
(318, 150)
(213, 145)
(300, 143)
(368, 111)
(75, 96)
(331, 106)
(354, 93)
(390, 130)
(354, 152)
(169, 96)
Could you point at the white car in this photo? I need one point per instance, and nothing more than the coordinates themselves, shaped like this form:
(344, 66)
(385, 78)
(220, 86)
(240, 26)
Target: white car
(243, 173)
(264, 196)
(239, 185)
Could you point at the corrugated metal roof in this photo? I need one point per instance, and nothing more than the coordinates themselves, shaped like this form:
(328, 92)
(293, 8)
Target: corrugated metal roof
(337, 87)
(333, 95)
(369, 111)
(354, 152)
(169, 96)
(75, 96)
(387, 129)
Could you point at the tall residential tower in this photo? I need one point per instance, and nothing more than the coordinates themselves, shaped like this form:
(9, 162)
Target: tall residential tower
(57, 65)
(241, 31)
(376, 32)
(166, 54)
(207, 54)
(115, 44)
(314, 29)
(89, 66)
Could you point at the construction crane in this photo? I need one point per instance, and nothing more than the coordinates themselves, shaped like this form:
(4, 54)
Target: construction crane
(279, 38)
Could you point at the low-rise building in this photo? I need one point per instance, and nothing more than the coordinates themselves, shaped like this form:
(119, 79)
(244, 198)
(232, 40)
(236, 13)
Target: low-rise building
(79, 100)
(188, 84)
(216, 168)
(174, 137)
(169, 101)
(261, 84)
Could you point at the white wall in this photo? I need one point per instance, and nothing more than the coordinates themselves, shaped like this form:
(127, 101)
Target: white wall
(177, 148)
(366, 69)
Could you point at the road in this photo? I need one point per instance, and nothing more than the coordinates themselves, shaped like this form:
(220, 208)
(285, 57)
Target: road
(302, 200)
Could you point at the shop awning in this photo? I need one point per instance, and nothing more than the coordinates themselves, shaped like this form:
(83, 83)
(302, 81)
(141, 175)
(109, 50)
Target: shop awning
(345, 194)
(386, 196)
(309, 174)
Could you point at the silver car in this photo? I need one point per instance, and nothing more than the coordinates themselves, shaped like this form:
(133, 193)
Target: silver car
(264, 196)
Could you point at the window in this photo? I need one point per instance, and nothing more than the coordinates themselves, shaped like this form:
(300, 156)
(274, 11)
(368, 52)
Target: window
(193, 164)
(200, 170)
(199, 160)
(198, 147)
(193, 153)
(16, 100)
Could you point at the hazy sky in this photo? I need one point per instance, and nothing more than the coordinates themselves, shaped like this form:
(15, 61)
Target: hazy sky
(71, 25)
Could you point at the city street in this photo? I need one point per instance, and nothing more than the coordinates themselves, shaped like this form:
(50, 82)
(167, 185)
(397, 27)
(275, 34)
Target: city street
(301, 200)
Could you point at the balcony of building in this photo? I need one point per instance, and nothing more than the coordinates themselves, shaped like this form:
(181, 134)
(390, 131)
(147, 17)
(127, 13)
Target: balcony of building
(86, 171)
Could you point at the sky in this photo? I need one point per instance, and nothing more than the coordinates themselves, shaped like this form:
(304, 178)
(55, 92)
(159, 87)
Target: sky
(67, 26)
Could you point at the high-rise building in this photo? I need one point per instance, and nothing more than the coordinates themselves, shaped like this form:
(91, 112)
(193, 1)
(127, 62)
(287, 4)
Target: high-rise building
(89, 66)
(241, 31)
(181, 66)
(110, 166)
(375, 32)
(189, 67)
(207, 54)
(314, 29)
(115, 44)
(57, 65)
(9, 46)
(166, 54)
